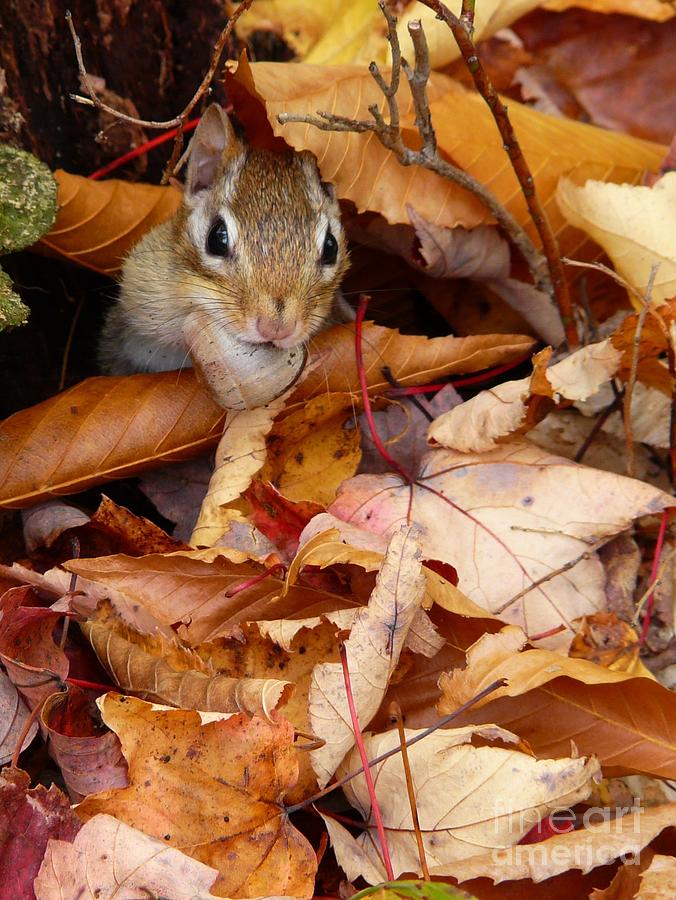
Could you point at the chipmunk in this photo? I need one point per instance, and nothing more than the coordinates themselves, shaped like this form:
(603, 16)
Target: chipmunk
(257, 245)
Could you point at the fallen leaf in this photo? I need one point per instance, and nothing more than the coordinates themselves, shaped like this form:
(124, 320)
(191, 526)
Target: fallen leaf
(564, 432)
(281, 520)
(411, 359)
(89, 757)
(180, 762)
(29, 817)
(13, 716)
(43, 524)
(103, 428)
(647, 9)
(367, 174)
(608, 641)
(372, 650)
(131, 533)
(177, 492)
(633, 224)
(402, 427)
(29, 653)
(478, 424)
(140, 667)
(312, 450)
(328, 541)
(496, 656)
(592, 846)
(197, 600)
(240, 455)
(468, 799)
(659, 879)
(620, 718)
(621, 560)
(520, 555)
(110, 427)
(132, 865)
(482, 254)
(594, 64)
(100, 221)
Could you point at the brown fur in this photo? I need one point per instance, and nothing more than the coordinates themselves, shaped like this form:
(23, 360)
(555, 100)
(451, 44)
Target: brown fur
(279, 211)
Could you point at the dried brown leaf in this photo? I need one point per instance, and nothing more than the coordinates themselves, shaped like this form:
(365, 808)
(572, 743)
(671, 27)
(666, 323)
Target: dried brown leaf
(368, 175)
(90, 758)
(373, 648)
(595, 845)
(523, 525)
(13, 715)
(139, 669)
(110, 427)
(627, 723)
(133, 865)
(235, 771)
(100, 221)
(468, 799)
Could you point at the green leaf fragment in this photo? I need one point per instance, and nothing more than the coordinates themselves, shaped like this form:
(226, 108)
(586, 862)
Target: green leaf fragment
(12, 310)
(27, 199)
(413, 890)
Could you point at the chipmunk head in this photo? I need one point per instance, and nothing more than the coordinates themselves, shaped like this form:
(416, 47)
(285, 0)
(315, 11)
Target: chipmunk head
(261, 235)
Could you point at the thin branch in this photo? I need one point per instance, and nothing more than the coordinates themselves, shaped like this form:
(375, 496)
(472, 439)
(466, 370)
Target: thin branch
(467, 16)
(359, 741)
(410, 789)
(601, 420)
(554, 572)
(656, 573)
(390, 136)
(462, 32)
(633, 372)
(493, 686)
(178, 121)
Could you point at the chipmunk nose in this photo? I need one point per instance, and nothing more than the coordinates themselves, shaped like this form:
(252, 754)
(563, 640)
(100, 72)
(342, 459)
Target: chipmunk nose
(273, 329)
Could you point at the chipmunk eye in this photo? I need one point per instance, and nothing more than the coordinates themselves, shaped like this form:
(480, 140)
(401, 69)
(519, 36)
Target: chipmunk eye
(329, 250)
(217, 239)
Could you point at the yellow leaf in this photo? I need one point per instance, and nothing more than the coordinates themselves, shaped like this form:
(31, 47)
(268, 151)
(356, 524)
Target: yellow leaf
(657, 10)
(634, 224)
(490, 16)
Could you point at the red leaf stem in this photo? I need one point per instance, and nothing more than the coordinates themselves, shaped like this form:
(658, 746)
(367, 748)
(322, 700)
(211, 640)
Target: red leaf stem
(365, 762)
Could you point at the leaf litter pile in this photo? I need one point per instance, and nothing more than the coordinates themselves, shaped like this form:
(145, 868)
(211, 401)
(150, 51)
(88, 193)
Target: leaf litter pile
(415, 617)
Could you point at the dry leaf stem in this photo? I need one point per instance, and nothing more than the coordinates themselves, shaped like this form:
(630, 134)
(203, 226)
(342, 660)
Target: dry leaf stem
(462, 32)
(547, 271)
(359, 741)
(410, 789)
(178, 121)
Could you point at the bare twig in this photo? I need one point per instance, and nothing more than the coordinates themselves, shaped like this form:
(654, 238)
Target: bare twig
(601, 420)
(467, 16)
(359, 741)
(395, 711)
(586, 554)
(631, 381)
(462, 32)
(390, 136)
(178, 121)
(493, 686)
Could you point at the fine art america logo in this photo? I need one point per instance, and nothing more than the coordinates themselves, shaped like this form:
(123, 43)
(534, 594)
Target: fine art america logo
(596, 837)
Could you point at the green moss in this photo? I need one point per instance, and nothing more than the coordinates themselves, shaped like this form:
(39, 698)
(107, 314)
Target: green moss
(12, 310)
(27, 199)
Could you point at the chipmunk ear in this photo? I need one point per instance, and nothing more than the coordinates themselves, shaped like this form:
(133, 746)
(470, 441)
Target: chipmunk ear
(213, 140)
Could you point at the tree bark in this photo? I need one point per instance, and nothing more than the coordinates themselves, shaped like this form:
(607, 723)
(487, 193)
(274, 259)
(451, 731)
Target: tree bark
(151, 54)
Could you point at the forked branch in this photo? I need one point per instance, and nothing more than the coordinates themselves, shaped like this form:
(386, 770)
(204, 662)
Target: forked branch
(178, 121)
(546, 270)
